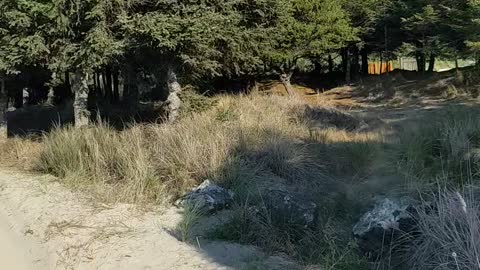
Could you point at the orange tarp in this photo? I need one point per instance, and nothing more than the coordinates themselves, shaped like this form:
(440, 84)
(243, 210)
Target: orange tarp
(374, 68)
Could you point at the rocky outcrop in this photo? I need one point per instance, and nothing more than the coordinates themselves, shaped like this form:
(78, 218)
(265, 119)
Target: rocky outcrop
(385, 223)
(208, 198)
(286, 208)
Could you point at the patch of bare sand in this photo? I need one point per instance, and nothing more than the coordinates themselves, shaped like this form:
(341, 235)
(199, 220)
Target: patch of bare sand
(44, 226)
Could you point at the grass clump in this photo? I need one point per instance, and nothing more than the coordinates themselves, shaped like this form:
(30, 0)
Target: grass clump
(449, 144)
(108, 164)
(328, 246)
(449, 233)
(190, 216)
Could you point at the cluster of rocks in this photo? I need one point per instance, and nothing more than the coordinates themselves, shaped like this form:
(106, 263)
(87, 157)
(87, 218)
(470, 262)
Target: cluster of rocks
(282, 206)
(386, 222)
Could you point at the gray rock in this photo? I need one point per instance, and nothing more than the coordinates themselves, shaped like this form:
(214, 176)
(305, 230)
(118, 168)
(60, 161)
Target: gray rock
(208, 198)
(386, 222)
(285, 208)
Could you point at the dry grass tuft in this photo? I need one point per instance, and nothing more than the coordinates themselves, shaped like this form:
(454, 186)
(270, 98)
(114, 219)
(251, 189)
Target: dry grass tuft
(18, 152)
(449, 234)
(448, 144)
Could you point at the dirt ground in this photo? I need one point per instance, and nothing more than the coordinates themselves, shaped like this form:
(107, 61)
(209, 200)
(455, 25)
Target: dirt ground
(43, 226)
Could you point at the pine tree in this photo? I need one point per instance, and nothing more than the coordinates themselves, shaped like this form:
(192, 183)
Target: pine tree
(304, 29)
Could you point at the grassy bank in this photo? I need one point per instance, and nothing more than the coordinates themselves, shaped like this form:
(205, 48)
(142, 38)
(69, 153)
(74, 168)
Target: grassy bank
(252, 143)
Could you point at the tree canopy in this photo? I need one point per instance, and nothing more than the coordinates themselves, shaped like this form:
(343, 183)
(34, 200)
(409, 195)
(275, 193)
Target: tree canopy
(206, 39)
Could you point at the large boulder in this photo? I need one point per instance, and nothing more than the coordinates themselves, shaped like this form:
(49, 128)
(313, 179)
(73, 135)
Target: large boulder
(38, 119)
(208, 198)
(286, 208)
(385, 223)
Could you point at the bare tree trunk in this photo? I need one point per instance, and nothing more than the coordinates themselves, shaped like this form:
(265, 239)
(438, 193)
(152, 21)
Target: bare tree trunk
(2, 85)
(69, 91)
(356, 62)
(108, 84)
(132, 86)
(364, 54)
(330, 64)
(173, 101)
(51, 92)
(116, 88)
(286, 81)
(80, 106)
(348, 66)
(420, 57)
(431, 63)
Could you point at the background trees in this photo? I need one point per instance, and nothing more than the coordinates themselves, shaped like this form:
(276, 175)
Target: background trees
(109, 49)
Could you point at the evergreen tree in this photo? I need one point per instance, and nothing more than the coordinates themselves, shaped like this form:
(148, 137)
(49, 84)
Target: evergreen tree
(304, 29)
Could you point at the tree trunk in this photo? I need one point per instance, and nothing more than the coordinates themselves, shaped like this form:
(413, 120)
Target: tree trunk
(132, 89)
(80, 106)
(99, 84)
(431, 63)
(51, 92)
(348, 66)
(173, 101)
(420, 57)
(69, 91)
(108, 84)
(364, 54)
(356, 62)
(116, 88)
(330, 64)
(286, 81)
(2, 85)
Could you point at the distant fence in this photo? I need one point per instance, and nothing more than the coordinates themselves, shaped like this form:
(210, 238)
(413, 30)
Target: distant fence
(409, 63)
(377, 68)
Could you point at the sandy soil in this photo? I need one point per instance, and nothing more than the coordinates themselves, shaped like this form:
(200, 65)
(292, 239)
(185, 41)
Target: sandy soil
(44, 226)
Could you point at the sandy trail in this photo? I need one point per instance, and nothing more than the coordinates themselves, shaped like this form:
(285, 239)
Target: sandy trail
(44, 226)
(17, 253)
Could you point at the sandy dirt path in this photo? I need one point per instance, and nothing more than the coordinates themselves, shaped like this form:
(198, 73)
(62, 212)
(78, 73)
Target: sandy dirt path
(44, 226)
(18, 253)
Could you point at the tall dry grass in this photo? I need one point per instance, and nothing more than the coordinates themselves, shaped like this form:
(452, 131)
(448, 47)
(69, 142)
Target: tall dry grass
(448, 143)
(448, 233)
(239, 141)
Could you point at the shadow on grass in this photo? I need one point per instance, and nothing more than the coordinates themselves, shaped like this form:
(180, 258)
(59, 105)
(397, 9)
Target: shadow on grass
(342, 178)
